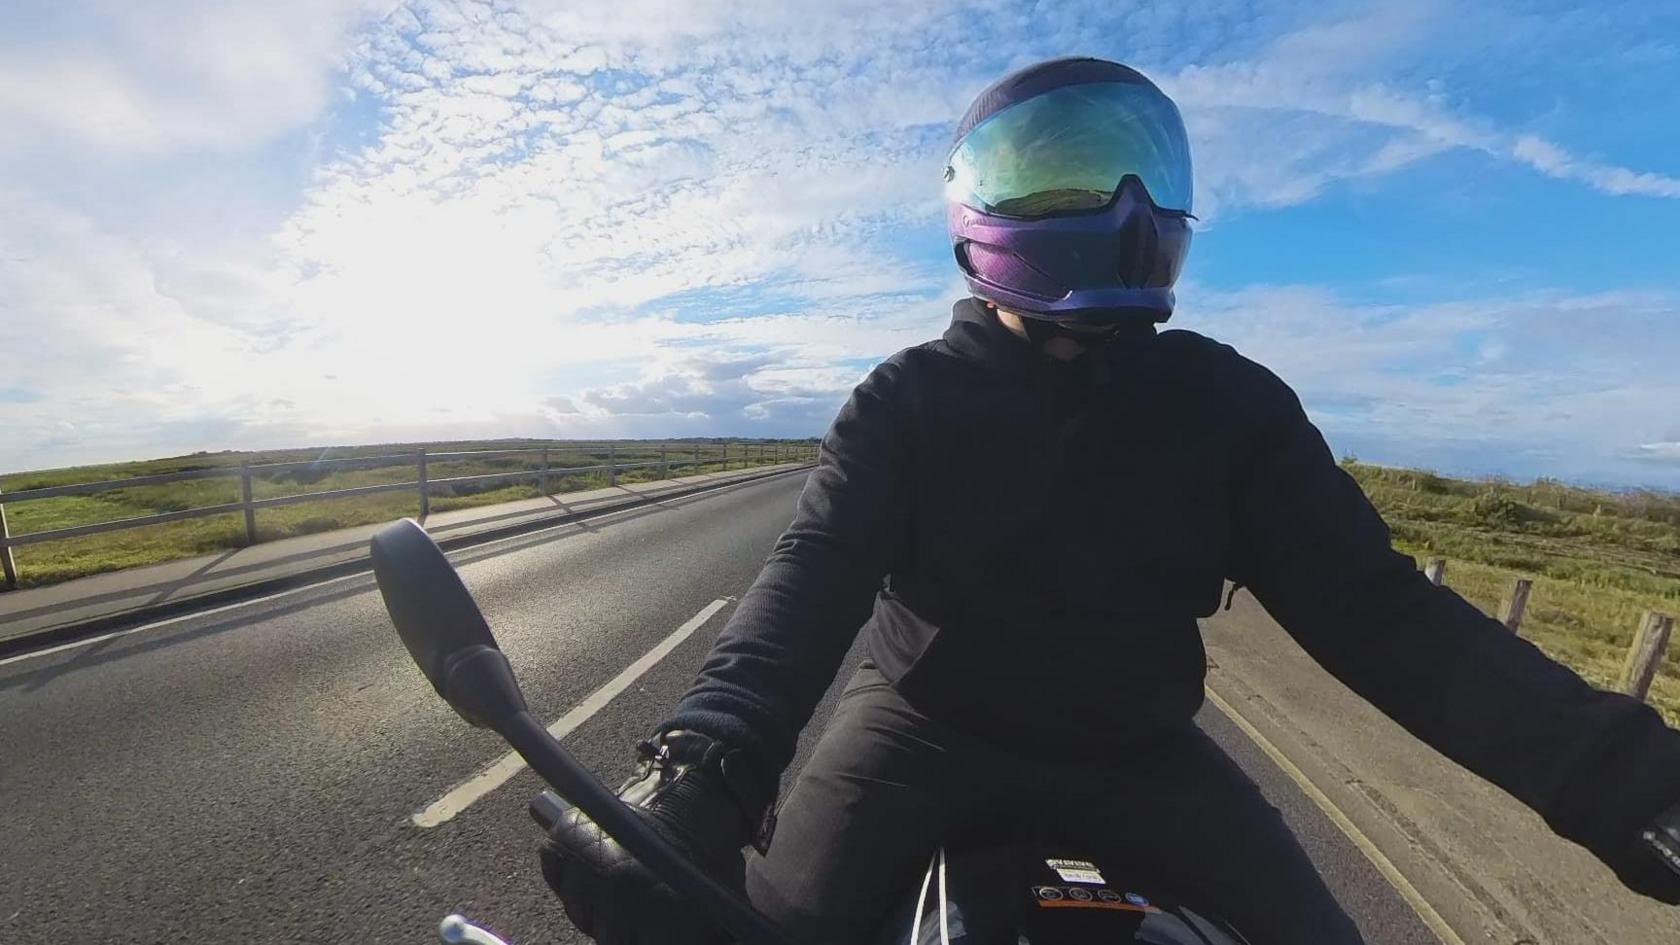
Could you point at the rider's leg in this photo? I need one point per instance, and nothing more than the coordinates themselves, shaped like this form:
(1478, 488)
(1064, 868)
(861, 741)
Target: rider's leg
(1185, 811)
(883, 788)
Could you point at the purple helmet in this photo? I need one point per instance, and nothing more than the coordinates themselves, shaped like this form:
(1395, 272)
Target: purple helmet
(1068, 194)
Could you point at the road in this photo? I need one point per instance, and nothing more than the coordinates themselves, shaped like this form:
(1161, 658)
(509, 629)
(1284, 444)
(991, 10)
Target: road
(250, 775)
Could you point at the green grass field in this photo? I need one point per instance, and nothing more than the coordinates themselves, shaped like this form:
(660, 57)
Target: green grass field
(62, 559)
(1599, 559)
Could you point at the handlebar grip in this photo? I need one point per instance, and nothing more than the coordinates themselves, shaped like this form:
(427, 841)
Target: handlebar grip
(546, 809)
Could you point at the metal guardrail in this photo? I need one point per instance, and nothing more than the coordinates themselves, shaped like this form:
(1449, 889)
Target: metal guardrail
(670, 456)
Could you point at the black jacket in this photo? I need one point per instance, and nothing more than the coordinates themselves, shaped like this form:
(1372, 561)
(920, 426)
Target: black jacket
(1049, 533)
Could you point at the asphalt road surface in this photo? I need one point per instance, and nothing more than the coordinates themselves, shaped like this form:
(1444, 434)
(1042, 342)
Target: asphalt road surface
(250, 775)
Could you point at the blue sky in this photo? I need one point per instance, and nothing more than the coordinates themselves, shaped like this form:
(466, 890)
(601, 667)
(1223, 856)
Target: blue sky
(246, 224)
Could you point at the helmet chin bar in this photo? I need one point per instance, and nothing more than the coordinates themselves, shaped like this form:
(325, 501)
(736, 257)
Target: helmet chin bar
(1105, 265)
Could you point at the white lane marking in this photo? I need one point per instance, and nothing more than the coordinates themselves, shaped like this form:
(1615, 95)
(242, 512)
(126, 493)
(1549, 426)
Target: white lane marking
(1384, 865)
(498, 772)
(89, 641)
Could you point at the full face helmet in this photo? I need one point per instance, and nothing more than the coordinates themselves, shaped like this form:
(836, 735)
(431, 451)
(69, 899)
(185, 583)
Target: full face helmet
(1068, 195)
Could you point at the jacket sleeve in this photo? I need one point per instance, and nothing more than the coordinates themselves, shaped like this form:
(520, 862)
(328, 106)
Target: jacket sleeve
(1598, 766)
(784, 643)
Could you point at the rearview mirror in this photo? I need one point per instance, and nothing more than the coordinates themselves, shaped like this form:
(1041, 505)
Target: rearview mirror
(448, 638)
(442, 627)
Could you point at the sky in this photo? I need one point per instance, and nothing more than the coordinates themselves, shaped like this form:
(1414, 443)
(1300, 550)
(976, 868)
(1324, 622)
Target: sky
(1453, 228)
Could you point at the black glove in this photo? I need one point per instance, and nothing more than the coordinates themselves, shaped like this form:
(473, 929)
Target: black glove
(1657, 871)
(706, 800)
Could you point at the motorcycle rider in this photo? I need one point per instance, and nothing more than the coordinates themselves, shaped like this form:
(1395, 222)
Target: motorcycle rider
(1028, 515)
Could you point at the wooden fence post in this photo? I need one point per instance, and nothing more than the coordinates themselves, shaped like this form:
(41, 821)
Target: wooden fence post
(245, 497)
(696, 460)
(425, 493)
(1646, 654)
(725, 455)
(1517, 604)
(542, 474)
(1435, 570)
(7, 562)
(612, 464)
(664, 461)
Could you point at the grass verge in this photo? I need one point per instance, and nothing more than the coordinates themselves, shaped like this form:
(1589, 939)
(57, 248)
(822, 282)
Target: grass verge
(1599, 559)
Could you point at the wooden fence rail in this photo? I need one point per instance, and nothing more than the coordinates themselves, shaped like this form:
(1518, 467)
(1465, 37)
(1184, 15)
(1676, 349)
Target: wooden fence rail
(1516, 604)
(1645, 655)
(423, 484)
(1435, 570)
(7, 564)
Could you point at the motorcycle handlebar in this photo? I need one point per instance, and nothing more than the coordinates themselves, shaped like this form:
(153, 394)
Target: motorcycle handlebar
(546, 809)
(556, 766)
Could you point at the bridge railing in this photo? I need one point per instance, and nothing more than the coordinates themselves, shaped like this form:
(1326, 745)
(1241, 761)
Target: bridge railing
(542, 471)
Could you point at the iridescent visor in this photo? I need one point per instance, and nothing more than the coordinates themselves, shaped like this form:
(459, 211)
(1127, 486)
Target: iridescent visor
(1068, 150)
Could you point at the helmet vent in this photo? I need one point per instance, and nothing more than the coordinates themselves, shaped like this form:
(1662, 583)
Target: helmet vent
(1004, 269)
(1137, 247)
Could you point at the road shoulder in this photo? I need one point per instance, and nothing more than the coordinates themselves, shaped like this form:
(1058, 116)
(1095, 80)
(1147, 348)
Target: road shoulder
(90, 605)
(1486, 863)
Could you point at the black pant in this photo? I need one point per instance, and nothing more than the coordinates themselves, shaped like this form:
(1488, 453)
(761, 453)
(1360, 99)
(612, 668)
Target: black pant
(887, 784)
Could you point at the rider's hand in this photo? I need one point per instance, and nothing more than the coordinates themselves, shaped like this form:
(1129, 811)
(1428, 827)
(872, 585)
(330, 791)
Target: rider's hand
(701, 798)
(1656, 871)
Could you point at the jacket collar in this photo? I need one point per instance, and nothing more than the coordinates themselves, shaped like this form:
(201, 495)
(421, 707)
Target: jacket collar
(976, 335)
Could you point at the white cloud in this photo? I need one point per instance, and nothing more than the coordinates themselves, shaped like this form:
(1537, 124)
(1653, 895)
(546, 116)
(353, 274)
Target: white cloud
(1547, 381)
(513, 242)
(150, 79)
(1316, 106)
(1553, 161)
(1665, 451)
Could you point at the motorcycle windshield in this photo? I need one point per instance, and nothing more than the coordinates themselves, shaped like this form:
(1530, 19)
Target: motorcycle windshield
(1067, 151)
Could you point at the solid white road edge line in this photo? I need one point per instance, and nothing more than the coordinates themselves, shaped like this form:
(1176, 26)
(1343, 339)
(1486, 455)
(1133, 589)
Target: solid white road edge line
(463, 795)
(587, 519)
(89, 641)
(1384, 865)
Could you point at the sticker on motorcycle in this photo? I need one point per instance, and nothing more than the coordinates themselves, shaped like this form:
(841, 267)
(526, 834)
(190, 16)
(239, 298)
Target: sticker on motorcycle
(1074, 897)
(1077, 871)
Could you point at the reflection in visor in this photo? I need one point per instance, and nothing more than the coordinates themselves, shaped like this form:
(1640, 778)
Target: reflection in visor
(1067, 151)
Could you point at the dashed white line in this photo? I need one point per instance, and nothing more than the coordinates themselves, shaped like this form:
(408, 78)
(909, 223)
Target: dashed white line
(498, 772)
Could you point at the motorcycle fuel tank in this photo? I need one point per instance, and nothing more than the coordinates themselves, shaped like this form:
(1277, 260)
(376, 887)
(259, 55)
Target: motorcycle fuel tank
(1032, 894)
